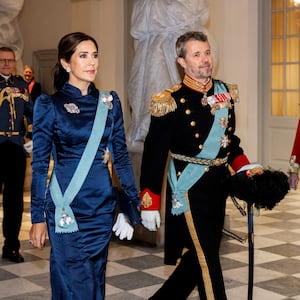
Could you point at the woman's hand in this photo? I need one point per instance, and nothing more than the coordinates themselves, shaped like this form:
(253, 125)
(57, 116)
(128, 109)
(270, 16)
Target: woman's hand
(122, 228)
(37, 235)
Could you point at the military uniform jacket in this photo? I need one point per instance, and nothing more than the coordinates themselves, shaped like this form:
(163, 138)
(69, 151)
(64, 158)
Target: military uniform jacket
(15, 110)
(181, 125)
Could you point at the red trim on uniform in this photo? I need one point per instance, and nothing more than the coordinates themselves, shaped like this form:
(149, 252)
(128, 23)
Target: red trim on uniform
(239, 162)
(155, 200)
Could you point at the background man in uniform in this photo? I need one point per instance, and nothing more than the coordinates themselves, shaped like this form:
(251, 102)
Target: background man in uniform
(15, 110)
(34, 87)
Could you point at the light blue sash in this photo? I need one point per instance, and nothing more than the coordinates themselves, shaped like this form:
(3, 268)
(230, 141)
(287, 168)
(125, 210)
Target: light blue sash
(193, 172)
(65, 221)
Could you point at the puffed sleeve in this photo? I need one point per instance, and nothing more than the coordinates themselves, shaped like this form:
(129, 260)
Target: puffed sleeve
(43, 122)
(120, 156)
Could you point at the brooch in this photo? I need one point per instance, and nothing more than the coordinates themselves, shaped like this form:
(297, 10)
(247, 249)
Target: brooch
(223, 122)
(72, 108)
(65, 219)
(224, 141)
(107, 100)
(176, 203)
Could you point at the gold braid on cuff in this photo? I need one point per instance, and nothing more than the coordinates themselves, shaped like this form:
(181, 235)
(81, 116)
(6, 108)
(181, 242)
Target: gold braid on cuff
(147, 200)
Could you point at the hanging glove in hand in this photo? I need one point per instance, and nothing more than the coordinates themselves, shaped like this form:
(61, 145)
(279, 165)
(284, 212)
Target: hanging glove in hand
(151, 219)
(28, 147)
(122, 228)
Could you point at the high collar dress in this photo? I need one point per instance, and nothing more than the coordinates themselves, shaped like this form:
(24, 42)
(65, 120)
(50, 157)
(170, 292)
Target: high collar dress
(61, 129)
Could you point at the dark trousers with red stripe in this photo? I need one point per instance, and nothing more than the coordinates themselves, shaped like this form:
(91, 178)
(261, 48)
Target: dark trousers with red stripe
(200, 231)
(188, 275)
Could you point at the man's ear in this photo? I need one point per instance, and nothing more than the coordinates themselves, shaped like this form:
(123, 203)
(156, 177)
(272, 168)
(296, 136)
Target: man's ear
(181, 62)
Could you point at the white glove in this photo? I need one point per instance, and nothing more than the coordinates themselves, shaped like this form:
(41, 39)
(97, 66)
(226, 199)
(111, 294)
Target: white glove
(122, 228)
(28, 146)
(151, 219)
(250, 167)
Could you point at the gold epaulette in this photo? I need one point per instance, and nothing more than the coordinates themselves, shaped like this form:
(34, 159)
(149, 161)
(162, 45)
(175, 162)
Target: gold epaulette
(233, 90)
(163, 103)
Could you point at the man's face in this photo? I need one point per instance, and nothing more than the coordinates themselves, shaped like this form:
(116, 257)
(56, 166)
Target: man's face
(198, 62)
(28, 74)
(7, 63)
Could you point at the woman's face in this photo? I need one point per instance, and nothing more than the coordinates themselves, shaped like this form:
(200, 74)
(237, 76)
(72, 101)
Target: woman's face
(83, 64)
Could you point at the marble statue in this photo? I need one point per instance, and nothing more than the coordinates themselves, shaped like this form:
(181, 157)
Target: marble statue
(10, 34)
(155, 27)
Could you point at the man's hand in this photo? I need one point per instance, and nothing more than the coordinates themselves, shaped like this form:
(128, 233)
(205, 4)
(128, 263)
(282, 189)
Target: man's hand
(293, 180)
(252, 169)
(151, 219)
(122, 228)
(28, 147)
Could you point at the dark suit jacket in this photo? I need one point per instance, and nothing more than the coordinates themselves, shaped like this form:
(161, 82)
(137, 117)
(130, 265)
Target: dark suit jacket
(36, 91)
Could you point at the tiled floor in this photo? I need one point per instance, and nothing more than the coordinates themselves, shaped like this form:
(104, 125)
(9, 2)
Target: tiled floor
(136, 270)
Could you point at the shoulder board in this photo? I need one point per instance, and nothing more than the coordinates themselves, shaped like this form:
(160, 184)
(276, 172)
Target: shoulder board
(233, 90)
(163, 103)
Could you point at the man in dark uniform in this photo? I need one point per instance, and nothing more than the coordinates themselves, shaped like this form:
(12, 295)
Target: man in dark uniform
(15, 111)
(192, 123)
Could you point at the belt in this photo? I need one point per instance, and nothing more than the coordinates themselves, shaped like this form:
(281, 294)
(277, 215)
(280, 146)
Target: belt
(201, 161)
(9, 133)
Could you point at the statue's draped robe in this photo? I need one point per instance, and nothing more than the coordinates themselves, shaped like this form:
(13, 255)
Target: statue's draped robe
(155, 27)
(10, 34)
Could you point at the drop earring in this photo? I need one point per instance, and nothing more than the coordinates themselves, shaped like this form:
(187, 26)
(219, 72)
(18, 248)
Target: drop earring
(68, 70)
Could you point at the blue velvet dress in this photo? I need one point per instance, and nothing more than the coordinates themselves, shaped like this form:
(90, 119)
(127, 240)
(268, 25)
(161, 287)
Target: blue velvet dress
(61, 128)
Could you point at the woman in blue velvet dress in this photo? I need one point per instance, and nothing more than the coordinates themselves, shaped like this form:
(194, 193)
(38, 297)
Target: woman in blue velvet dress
(79, 210)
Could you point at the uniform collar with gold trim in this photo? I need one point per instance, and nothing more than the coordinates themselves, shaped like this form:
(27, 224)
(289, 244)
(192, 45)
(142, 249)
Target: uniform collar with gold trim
(196, 85)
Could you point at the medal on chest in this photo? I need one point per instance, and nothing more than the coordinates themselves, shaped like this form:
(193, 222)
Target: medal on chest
(204, 89)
